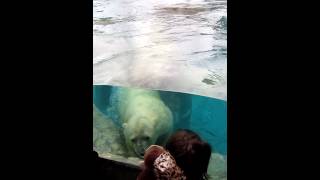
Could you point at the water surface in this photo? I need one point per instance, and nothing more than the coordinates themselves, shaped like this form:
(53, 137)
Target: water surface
(175, 45)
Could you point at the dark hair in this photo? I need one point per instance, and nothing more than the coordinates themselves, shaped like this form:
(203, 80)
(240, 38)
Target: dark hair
(191, 153)
(147, 172)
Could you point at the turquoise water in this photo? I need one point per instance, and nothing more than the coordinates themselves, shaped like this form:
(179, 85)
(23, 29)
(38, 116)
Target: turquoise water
(204, 115)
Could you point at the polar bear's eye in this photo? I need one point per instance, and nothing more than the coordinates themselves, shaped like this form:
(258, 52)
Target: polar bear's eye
(146, 138)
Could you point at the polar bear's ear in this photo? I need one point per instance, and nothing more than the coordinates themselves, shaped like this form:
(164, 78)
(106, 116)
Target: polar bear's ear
(124, 125)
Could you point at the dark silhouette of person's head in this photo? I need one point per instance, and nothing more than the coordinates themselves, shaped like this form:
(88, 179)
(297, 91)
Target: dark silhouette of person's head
(191, 153)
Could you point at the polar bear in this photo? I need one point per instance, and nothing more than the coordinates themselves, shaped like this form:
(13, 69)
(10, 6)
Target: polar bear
(145, 119)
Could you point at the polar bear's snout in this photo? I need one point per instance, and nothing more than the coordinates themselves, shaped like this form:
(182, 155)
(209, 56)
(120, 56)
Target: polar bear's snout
(140, 144)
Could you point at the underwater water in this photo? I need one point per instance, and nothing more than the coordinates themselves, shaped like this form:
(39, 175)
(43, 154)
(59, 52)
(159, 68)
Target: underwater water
(174, 45)
(206, 116)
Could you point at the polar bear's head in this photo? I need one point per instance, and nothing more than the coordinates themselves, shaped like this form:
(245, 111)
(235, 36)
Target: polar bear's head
(139, 135)
(142, 131)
